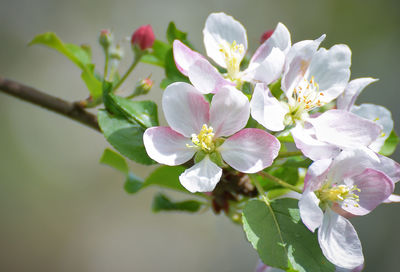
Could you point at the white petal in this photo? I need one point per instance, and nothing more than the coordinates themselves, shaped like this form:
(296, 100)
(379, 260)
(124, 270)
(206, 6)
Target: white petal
(250, 150)
(185, 108)
(345, 129)
(347, 99)
(339, 241)
(184, 56)
(392, 198)
(316, 175)
(379, 115)
(220, 30)
(297, 62)
(331, 70)
(167, 146)
(206, 77)
(267, 71)
(201, 177)
(229, 112)
(311, 214)
(387, 166)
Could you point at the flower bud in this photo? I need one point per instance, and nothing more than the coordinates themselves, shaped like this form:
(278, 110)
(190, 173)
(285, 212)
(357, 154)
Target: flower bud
(116, 52)
(265, 36)
(105, 38)
(142, 87)
(143, 37)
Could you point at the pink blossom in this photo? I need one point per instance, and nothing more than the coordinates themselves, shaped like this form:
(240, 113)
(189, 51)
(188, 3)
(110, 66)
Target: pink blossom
(143, 37)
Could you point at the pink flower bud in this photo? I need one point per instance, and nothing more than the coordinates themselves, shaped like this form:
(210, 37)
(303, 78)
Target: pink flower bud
(143, 37)
(105, 38)
(265, 36)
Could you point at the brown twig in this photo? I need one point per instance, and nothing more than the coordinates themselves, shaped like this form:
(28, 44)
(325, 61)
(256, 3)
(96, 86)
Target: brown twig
(72, 110)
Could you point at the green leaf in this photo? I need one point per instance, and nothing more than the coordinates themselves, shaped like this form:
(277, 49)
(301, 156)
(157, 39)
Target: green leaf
(142, 112)
(114, 160)
(133, 183)
(171, 71)
(126, 137)
(175, 34)
(157, 56)
(166, 176)
(280, 238)
(390, 144)
(275, 89)
(163, 203)
(93, 84)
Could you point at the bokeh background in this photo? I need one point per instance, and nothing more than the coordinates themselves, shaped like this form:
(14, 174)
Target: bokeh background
(62, 211)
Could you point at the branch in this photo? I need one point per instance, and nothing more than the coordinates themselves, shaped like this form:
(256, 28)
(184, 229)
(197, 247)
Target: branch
(72, 110)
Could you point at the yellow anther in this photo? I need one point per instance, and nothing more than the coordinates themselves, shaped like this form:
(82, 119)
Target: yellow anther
(340, 193)
(204, 139)
(233, 55)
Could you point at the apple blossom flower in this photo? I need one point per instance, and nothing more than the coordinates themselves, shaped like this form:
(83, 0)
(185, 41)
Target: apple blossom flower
(310, 79)
(225, 40)
(372, 112)
(338, 188)
(211, 132)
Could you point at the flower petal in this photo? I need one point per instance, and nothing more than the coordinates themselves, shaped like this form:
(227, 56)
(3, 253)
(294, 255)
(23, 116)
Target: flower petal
(184, 56)
(297, 62)
(392, 198)
(280, 39)
(250, 150)
(311, 214)
(201, 177)
(345, 129)
(185, 108)
(223, 30)
(206, 77)
(229, 112)
(311, 147)
(387, 166)
(316, 175)
(347, 99)
(331, 70)
(375, 187)
(266, 109)
(379, 115)
(339, 241)
(267, 71)
(167, 146)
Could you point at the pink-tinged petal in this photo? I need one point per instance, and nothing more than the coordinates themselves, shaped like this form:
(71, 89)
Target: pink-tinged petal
(392, 198)
(339, 241)
(311, 214)
(184, 56)
(206, 77)
(266, 109)
(387, 166)
(297, 62)
(345, 129)
(279, 39)
(267, 71)
(201, 177)
(185, 108)
(379, 115)
(261, 267)
(250, 150)
(311, 147)
(167, 146)
(357, 269)
(331, 70)
(223, 30)
(229, 112)
(375, 187)
(347, 99)
(316, 175)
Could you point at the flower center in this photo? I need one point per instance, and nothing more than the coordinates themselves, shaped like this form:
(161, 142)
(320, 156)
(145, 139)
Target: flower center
(204, 139)
(233, 55)
(340, 193)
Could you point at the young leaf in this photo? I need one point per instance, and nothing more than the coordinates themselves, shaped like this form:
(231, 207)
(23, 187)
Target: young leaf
(124, 136)
(390, 144)
(175, 34)
(133, 183)
(142, 112)
(280, 238)
(166, 176)
(163, 203)
(114, 160)
(157, 56)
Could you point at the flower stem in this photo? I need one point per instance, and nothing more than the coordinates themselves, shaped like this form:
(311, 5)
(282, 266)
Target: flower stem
(260, 189)
(289, 154)
(136, 60)
(105, 66)
(280, 182)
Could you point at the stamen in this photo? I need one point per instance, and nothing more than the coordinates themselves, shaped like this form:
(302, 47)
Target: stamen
(232, 53)
(204, 139)
(340, 193)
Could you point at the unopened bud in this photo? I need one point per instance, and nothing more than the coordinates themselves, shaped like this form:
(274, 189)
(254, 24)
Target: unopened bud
(266, 35)
(143, 37)
(105, 38)
(116, 52)
(143, 87)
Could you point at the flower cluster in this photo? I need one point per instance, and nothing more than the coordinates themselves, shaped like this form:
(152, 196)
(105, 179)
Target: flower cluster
(208, 121)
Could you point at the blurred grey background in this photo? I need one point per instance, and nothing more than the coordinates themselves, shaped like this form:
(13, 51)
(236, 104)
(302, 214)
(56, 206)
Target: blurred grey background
(62, 211)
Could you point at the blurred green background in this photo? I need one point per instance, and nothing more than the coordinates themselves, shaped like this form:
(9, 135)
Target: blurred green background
(62, 211)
